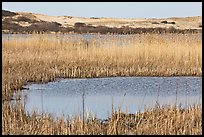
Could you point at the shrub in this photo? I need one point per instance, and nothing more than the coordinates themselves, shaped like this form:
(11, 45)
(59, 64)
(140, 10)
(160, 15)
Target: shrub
(94, 18)
(171, 29)
(172, 22)
(45, 26)
(8, 13)
(155, 22)
(79, 24)
(165, 22)
(22, 18)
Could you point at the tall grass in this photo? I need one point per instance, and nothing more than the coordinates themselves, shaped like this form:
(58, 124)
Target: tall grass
(167, 120)
(42, 58)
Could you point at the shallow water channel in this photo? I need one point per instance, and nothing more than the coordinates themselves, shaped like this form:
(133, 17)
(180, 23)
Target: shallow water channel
(132, 94)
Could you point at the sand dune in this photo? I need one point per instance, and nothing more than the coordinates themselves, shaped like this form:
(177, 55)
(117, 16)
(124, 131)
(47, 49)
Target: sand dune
(180, 23)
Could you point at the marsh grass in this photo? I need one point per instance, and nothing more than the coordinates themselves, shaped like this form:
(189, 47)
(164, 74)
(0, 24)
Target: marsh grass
(43, 58)
(161, 120)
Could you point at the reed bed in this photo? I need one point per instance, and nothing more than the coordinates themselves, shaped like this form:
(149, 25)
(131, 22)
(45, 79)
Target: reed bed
(167, 120)
(43, 58)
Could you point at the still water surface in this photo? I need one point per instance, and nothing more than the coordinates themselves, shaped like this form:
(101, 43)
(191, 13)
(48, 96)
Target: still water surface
(132, 94)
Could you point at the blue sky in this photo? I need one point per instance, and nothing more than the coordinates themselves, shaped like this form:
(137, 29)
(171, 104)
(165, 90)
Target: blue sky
(109, 9)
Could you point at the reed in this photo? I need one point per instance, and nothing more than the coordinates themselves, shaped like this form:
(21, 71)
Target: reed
(43, 58)
(166, 120)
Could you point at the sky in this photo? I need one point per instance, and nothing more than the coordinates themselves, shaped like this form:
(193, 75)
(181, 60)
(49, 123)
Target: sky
(109, 9)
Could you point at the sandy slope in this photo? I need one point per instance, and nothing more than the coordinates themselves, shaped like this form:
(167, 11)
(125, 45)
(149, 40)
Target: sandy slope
(180, 23)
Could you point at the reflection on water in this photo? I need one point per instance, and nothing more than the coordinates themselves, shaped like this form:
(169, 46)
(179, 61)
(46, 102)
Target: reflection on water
(132, 94)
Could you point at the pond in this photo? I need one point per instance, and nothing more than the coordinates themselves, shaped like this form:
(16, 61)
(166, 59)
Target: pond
(131, 94)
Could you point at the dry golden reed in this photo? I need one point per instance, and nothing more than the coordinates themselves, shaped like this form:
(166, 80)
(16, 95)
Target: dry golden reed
(167, 120)
(42, 58)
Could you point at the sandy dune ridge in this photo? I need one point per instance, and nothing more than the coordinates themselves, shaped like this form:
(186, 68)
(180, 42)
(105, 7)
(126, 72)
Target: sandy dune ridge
(180, 23)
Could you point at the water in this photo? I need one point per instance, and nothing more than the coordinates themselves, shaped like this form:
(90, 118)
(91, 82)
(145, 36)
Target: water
(100, 39)
(74, 37)
(131, 94)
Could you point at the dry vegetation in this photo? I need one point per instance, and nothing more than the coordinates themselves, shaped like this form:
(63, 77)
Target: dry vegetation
(180, 23)
(28, 23)
(168, 120)
(42, 58)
